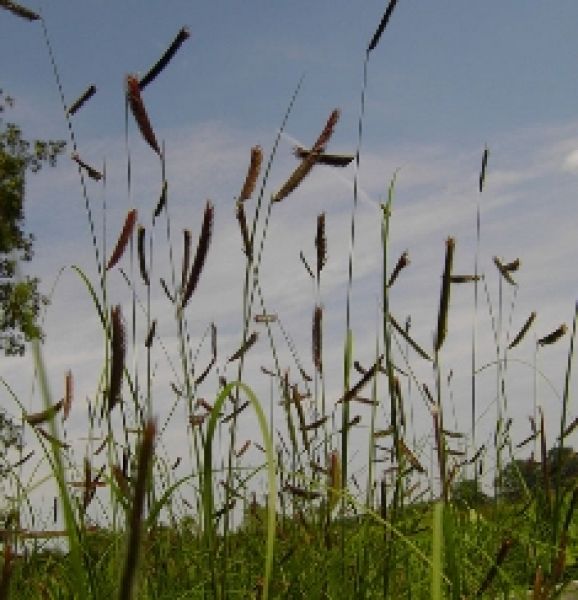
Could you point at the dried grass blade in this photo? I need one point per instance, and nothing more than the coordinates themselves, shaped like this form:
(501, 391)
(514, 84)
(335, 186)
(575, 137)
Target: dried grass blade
(307, 164)
(379, 433)
(118, 355)
(163, 61)
(51, 438)
(205, 372)
(121, 480)
(526, 327)
(402, 263)
(266, 318)
(442, 328)
(303, 493)
(23, 460)
(538, 584)
(166, 290)
(45, 415)
(6, 576)
(91, 171)
(235, 413)
(243, 449)
(500, 557)
(252, 174)
(201, 254)
(409, 339)
(251, 340)
(316, 334)
(411, 457)
(330, 160)
(553, 337)
(306, 264)
(102, 446)
(503, 271)
(513, 265)
(531, 437)
(19, 10)
(465, 278)
(141, 238)
(382, 25)
(316, 424)
(570, 428)
(123, 239)
(139, 112)
(81, 100)
(362, 382)
(335, 481)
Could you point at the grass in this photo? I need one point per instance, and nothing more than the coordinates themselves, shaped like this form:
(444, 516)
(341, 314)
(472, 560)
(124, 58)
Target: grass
(298, 523)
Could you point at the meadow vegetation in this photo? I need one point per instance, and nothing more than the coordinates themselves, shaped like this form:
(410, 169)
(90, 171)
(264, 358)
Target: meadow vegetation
(407, 530)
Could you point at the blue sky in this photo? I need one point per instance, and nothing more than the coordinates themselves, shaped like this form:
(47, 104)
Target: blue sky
(446, 79)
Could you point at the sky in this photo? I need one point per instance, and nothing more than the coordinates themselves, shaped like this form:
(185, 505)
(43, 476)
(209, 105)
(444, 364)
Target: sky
(446, 79)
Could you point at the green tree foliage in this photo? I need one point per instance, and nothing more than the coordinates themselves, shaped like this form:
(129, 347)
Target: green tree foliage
(467, 493)
(531, 473)
(20, 299)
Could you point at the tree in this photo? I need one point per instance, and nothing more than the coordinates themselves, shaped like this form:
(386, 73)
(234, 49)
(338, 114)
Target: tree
(467, 493)
(531, 473)
(20, 299)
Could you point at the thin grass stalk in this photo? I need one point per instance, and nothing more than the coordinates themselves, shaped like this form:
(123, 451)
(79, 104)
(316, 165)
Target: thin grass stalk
(134, 535)
(80, 582)
(437, 551)
(251, 276)
(209, 532)
(87, 206)
(475, 315)
(563, 419)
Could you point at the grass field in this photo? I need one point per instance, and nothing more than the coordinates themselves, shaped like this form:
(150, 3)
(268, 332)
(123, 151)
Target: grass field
(324, 511)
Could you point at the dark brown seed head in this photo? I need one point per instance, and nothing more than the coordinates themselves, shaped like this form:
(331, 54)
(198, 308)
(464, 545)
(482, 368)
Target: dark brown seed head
(118, 353)
(123, 239)
(252, 339)
(307, 164)
(19, 10)
(84, 97)
(503, 271)
(201, 254)
(139, 112)
(181, 36)
(141, 238)
(252, 173)
(402, 262)
(321, 244)
(442, 328)
(317, 338)
(523, 331)
(553, 337)
(382, 25)
(246, 237)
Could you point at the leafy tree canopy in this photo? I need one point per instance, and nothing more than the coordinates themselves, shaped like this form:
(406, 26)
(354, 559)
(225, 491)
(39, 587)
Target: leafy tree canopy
(20, 299)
